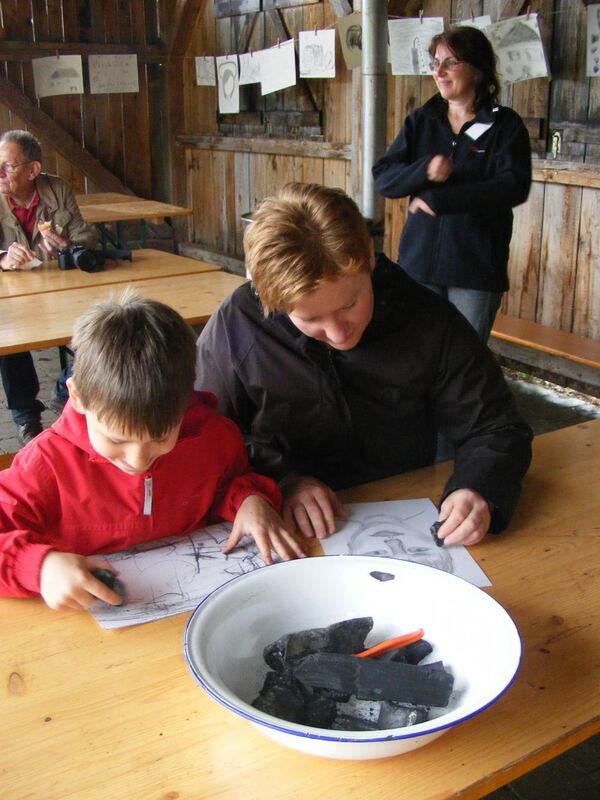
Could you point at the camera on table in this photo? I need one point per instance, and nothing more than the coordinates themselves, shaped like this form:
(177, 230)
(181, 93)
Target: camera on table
(76, 255)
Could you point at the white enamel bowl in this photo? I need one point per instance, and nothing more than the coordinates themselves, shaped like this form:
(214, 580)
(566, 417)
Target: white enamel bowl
(471, 633)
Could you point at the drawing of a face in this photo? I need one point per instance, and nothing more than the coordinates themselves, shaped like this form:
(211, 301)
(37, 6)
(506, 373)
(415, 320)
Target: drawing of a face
(228, 78)
(383, 536)
(354, 37)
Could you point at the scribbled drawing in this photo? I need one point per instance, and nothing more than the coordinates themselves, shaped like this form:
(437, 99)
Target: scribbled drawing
(249, 68)
(354, 37)
(63, 74)
(315, 58)
(397, 537)
(228, 78)
(205, 71)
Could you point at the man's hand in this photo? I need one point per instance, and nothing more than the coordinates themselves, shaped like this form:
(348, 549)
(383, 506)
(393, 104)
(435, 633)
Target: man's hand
(16, 255)
(256, 517)
(310, 505)
(416, 204)
(439, 169)
(467, 518)
(51, 242)
(66, 582)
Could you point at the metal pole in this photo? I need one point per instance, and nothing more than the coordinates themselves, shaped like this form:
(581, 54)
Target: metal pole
(374, 105)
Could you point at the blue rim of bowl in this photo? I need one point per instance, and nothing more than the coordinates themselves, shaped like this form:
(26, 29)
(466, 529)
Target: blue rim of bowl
(265, 720)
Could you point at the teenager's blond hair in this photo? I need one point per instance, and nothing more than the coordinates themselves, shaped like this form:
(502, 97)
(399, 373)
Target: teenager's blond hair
(303, 235)
(134, 364)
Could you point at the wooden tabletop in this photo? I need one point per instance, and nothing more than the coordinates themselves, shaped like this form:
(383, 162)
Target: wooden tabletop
(115, 715)
(37, 321)
(144, 264)
(114, 207)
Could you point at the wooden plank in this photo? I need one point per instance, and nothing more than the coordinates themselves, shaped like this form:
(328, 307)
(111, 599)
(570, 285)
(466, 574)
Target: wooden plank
(300, 147)
(231, 8)
(559, 255)
(19, 50)
(181, 28)
(52, 135)
(566, 173)
(586, 320)
(524, 259)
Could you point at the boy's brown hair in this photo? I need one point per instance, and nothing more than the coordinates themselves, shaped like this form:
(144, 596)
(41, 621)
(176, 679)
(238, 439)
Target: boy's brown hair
(304, 235)
(134, 364)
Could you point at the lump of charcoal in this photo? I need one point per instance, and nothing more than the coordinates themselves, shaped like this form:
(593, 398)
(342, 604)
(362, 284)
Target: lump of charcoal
(319, 711)
(400, 715)
(343, 723)
(347, 636)
(410, 653)
(281, 696)
(373, 679)
(367, 710)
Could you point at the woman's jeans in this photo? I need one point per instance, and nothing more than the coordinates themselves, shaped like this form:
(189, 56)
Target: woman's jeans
(477, 306)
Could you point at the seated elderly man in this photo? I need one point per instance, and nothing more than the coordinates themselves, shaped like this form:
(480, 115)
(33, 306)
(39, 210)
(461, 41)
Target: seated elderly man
(38, 216)
(340, 369)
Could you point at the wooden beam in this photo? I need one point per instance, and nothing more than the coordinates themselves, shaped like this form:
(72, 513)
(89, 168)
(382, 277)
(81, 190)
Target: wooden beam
(21, 51)
(281, 29)
(513, 8)
(283, 147)
(183, 25)
(52, 135)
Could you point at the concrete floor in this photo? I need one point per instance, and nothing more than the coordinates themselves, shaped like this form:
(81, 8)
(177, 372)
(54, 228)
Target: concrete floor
(575, 775)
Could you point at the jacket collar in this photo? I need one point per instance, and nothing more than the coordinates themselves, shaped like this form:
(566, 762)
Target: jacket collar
(436, 107)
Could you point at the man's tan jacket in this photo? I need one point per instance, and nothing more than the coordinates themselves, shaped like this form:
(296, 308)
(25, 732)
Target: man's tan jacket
(57, 205)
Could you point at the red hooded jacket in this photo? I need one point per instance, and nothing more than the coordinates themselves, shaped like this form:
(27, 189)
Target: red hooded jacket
(59, 494)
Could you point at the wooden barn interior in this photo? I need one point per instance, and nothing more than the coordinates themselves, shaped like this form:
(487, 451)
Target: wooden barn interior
(169, 143)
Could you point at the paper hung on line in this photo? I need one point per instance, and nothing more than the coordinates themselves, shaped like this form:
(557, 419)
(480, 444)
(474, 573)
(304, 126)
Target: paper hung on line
(409, 40)
(205, 71)
(350, 33)
(113, 74)
(593, 41)
(56, 75)
(250, 67)
(173, 575)
(278, 67)
(518, 45)
(400, 529)
(228, 84)
(317, 54)
(475, 22)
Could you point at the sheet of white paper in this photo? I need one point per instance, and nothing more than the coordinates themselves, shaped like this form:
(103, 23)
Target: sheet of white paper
(593, 41)
(350, 31)
(113, 74)
(227, 79)
(250, 67)
(35, 262)
(317, 54)
(400, 529)
(476, 22)
(205, 71)
(278, 67)
(518, 45)
(409, 40)
(172, 575)
(55, 75)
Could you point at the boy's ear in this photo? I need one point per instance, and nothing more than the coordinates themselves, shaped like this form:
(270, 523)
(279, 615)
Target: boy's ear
(74, 396)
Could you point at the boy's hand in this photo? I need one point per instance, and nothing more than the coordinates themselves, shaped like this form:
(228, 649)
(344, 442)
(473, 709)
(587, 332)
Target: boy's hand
(311, 505)
(66, 582)
(467, 518)
(256, 517)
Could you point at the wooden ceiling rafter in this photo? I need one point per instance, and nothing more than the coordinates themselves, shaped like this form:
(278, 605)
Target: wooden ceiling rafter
(183, 25)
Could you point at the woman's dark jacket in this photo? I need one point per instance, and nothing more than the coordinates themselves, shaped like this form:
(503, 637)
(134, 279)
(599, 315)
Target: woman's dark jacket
(466, 244)
(373, 411)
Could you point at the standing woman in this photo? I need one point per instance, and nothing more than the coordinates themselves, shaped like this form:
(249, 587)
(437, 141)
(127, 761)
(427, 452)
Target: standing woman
(465, 161)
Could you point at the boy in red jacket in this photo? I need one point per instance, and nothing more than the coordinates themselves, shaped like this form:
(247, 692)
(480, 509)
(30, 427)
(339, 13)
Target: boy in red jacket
(135, 456)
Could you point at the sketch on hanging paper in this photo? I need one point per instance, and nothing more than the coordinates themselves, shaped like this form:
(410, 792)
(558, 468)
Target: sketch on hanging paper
(409, 40)
(593, 41)
(278, 67)
(249, 67)
(228, 86)
(350, 31)
(205, 71)
(54, 75)
(317, 54)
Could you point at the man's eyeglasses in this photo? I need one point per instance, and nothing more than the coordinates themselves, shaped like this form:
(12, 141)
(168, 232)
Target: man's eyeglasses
(8, 169)
(447, 64)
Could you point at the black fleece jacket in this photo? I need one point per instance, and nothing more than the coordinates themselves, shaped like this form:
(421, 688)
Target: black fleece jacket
(466, 244)
(347, 417)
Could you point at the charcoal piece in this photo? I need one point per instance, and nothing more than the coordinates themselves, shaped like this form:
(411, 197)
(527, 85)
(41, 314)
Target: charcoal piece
(344, 723)
(410, 653)
(434, 532)
(373, 679)
(347, 636)
(281, 696)
(367, 710)
(434, 665)
(109, 579)
(400, 715)
(319, 712)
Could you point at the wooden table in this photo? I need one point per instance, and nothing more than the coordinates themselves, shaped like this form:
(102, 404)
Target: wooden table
(144, 264)
(110, 207)
(37, 321)
(116, 715)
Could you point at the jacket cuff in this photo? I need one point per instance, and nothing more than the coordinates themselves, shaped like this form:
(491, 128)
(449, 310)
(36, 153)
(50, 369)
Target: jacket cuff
(28, 565)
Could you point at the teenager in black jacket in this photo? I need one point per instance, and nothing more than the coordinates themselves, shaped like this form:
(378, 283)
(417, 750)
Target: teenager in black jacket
(340, 369)
(465, 162)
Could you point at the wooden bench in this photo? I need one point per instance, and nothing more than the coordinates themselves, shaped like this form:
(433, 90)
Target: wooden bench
(581, 351)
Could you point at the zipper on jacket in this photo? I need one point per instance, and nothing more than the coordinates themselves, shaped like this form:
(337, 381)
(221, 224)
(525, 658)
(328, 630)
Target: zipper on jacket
(148, 495)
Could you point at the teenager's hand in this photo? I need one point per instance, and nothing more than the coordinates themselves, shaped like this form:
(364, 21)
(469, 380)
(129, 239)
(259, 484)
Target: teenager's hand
(310, 505)
(16, 255)
(66, 582)
(257, 518)
(467, 518)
